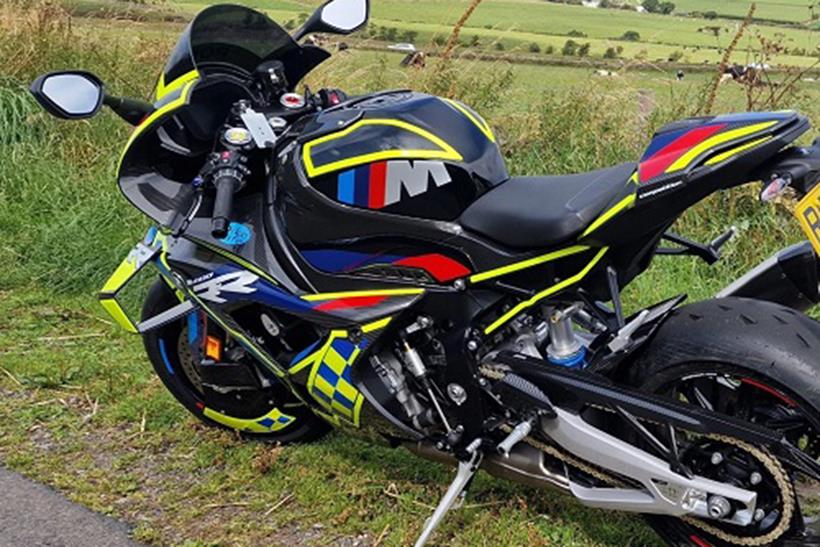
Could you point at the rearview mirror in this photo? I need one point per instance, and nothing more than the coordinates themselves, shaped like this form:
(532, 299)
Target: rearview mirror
(337, 17)
(69, 95)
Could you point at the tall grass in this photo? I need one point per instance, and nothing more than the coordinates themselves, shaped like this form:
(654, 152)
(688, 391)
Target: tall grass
(66, 226)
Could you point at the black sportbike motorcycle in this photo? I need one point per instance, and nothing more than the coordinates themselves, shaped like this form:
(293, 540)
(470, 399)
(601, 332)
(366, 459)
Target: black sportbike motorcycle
(368, 263)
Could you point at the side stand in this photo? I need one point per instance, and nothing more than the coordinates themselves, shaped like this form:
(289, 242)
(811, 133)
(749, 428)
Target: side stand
(464, 475)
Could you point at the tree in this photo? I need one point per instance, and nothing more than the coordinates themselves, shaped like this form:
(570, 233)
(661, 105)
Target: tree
(535, 48)
(499, 46)
(666, 7)
(409, 36)
(710, 15)
(583, 49)
(631, 36)
(611, 53)
(549, 50)
(475, 40)
(570, 48)
(652, 6)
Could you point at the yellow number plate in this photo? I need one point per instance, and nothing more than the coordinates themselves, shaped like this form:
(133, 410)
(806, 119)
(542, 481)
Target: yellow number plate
(808, 212)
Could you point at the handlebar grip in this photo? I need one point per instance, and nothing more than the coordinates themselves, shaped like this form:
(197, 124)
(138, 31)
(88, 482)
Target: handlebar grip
(226, 187)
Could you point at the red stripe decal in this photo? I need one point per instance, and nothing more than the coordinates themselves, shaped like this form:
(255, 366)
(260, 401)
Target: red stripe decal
(355, 302)
(442, 268)
(666, 156)
(699, 542)
(769, 390)
(378, 178)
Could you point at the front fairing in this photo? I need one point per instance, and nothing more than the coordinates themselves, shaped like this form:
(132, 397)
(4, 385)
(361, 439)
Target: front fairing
(166, 152)
(208, 71)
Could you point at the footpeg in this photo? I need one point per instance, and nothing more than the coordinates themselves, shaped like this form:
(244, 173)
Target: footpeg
(455, 493)
(517, 435)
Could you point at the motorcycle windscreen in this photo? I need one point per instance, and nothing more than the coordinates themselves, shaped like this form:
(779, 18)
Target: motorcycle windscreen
(229, 39)
(167, 151)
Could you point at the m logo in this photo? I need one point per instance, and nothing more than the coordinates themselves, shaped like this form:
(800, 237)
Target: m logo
(236, 282)
(382, 184)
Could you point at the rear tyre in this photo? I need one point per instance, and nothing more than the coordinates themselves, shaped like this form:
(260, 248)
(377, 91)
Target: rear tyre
(166, 349)
(750, 359)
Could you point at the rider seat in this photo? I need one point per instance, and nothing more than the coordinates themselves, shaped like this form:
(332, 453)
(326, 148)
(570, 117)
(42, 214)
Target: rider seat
(533, 212)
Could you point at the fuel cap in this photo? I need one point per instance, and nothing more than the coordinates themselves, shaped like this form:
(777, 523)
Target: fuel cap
(293, 101)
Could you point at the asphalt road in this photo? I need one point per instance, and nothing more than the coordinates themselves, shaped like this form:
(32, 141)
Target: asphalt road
(33, 515)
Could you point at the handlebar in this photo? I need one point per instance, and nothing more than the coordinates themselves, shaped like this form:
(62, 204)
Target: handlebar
(226, 186)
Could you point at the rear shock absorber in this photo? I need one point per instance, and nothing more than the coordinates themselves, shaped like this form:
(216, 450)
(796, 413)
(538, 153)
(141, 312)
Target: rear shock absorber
(565, 348)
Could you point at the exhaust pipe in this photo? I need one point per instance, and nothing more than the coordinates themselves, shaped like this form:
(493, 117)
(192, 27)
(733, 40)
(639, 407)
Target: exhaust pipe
(525, 465)
(790, 278)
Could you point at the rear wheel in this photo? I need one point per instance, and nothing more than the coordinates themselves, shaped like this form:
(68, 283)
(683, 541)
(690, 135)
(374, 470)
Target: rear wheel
(272, 414)
(755, 361)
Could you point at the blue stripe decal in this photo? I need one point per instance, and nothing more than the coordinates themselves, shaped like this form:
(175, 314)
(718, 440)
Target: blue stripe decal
(661, 141)
(362, 186)
(347, 184)
(164, 356)
(336, 261)
(305, 352)
(193, 328)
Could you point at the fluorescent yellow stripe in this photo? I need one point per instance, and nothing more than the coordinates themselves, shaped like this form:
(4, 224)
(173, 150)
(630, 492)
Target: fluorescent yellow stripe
(377, 325)
(358, 294)
(163, 90)
(735, 151)
(252, 425)
(159, 113)
(625, 203)
(237, 259)
(447, 152)
(545, 293)
(686, 160)
(118, 314)
(481, 124)
(121, 275)
(518, 266)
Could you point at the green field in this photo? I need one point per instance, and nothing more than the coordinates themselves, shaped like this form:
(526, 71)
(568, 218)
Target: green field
(794, 11)
(82, 410)
(519, 23)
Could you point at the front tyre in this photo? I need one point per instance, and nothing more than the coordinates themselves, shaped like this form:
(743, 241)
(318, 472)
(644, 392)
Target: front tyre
(274, 415)
(755, 361)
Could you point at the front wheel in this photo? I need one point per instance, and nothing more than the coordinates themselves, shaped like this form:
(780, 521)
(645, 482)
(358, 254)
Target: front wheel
(272, 414)
(755, 361)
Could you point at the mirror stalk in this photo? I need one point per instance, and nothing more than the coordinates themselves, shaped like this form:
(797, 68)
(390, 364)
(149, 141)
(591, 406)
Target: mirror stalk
(131, 110)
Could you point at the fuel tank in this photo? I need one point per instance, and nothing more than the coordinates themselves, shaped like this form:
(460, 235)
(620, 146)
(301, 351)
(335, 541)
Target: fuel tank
(402, 153)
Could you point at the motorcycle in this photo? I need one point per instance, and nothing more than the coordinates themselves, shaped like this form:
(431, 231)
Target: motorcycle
(367, 263)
